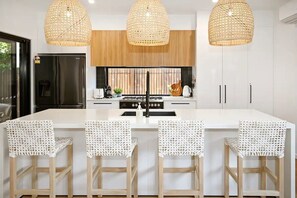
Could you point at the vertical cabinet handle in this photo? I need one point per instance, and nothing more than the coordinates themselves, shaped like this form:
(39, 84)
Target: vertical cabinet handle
(220, 94)
(251, 94)
(225, 94)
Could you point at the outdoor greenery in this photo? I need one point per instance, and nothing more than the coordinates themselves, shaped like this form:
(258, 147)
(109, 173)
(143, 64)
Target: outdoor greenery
(5, 55)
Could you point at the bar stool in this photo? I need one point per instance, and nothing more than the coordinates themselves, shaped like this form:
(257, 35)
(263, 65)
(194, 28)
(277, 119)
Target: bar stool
(182, 138)
(37, 138)
(261, 139)
(111, 138)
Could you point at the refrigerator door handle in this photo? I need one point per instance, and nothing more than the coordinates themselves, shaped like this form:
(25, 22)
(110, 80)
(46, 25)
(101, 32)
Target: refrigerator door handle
(57, 76)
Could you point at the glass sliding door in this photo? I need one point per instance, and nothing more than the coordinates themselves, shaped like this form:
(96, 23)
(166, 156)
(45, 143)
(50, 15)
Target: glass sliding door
(8, 94)
(13, 89)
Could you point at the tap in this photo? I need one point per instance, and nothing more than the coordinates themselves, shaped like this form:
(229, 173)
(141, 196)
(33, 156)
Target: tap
(147, 95)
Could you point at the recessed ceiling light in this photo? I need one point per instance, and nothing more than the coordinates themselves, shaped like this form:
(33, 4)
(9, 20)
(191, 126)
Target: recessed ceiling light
(91, 1)
(214, 1)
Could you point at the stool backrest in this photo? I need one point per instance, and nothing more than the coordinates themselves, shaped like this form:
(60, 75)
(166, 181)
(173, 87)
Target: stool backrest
(262, 138)
(108, 138)
(31, 138)
(181, 138)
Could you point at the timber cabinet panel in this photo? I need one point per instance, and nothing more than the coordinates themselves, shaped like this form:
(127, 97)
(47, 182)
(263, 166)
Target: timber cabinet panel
(111, 48)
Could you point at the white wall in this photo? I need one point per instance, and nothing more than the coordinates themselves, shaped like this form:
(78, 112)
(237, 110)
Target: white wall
(285, 71)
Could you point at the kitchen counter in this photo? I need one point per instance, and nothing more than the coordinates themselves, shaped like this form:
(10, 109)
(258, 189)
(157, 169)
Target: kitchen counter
(165, 98)
(219, 123)
(105, 99)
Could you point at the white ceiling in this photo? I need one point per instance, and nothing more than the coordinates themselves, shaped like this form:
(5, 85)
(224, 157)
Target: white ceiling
(173, 6)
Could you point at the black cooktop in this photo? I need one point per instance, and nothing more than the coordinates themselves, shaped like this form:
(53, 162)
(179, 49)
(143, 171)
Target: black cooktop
(141, 98)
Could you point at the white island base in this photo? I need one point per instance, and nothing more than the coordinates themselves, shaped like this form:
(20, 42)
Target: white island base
(219, 124)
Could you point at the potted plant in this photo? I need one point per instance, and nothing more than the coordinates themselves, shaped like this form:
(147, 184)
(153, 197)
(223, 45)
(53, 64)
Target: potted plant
(118, 92)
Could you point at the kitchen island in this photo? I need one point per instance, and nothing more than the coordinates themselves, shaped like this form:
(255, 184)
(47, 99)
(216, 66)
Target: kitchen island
(219, 123)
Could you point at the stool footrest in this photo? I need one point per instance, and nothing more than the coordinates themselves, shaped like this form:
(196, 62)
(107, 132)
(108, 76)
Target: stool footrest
(24, 172)
(63, 173)
(33, 192)
(179, 170)
(272, 193)
(113, 169)
(109, 191)
(181, 192)
(46, 169)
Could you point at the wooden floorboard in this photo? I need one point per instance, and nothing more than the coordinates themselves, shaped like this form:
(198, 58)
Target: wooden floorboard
(132, 196)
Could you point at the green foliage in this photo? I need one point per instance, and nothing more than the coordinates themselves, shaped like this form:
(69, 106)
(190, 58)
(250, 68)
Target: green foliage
(118, 90)
(5, 55)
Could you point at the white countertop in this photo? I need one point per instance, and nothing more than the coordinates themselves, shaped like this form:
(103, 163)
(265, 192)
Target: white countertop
(213, 118)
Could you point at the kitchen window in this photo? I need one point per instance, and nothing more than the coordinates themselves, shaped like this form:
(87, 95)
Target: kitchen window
(132, 80)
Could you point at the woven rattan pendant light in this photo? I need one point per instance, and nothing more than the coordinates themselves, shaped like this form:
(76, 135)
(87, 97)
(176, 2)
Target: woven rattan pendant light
(148, 24)
(231, 23)
(67, 24)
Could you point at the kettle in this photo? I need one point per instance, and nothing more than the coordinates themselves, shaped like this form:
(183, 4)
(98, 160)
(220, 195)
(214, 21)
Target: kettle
(187, 91)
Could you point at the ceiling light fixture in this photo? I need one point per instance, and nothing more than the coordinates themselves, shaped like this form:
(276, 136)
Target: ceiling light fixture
(148, 24)
(214, 1)
(67, 24)
(231, 22)
(91, 1)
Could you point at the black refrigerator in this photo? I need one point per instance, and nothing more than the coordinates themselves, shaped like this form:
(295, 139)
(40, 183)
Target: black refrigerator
(60, 81)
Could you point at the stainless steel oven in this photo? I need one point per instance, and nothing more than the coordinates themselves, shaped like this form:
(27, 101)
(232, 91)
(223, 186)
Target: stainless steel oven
(131, 102)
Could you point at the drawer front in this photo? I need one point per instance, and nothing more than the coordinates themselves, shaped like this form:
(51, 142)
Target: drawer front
(102, 105)
(180, 105)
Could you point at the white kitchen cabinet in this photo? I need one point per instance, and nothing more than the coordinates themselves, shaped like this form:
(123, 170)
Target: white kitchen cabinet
(260, 70)
(234, 83)
(209, 68)
(103, 104)
(186, 104)
(222, 77)
(244, 73)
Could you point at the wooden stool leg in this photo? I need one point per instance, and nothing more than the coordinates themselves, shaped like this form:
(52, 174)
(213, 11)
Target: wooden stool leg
(201, 186)
(135, 159)
(52, 177)
(196, 174)
(263, 173)
(129, 186)
(13, 177)
(239, 177)
(226, 174)
(161, 190)
(70, 174)
(280, 176)
(34, 174)
(99, 180)
(90, 177)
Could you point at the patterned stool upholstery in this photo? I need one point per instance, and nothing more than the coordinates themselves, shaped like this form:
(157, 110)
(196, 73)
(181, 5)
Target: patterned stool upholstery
(111, 138)
(182, 138)
(259, 139)
(37, 138)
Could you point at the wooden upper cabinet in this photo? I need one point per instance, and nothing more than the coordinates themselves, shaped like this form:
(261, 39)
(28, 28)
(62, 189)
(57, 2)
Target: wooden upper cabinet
(111, 48)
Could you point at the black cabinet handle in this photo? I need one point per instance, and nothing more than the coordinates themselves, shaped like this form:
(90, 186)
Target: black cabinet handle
(102, 103)
(220, 94)
(180, 103)
(225, 86)
(251, 94)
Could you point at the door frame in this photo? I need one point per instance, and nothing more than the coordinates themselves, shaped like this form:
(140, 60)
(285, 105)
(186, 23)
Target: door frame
(25, 71)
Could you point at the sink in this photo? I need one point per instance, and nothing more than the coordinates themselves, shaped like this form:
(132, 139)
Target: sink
(152, 113)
